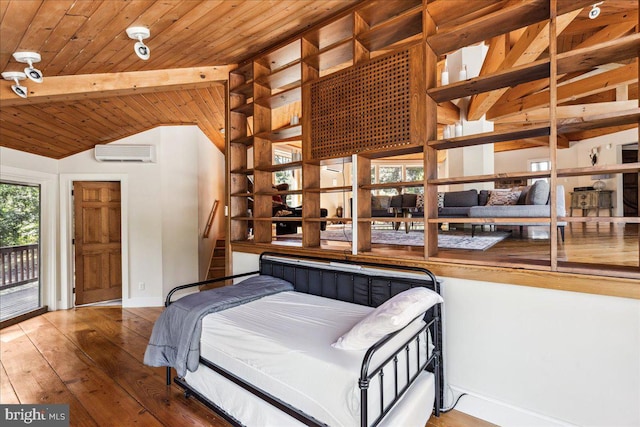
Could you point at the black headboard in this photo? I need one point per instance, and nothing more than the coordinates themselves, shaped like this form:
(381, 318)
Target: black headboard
(362, 283)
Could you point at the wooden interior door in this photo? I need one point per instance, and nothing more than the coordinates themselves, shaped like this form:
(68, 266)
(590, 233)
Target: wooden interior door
(98, 250)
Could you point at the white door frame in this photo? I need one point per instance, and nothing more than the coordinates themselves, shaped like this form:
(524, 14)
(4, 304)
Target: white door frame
(67, 277)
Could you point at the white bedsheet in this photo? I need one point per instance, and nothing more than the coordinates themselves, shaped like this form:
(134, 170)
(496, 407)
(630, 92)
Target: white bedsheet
(282, 344)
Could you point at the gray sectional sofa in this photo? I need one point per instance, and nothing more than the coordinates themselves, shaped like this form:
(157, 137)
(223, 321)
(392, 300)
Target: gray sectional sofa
(532, 202)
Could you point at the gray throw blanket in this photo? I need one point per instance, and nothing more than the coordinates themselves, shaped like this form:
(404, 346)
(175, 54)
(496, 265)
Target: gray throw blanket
(175, 339)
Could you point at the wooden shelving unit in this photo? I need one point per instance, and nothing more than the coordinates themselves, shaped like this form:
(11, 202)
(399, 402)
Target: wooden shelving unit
(278, 82)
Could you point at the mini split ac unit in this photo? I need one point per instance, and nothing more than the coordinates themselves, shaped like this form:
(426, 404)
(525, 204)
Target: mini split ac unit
(125, 153)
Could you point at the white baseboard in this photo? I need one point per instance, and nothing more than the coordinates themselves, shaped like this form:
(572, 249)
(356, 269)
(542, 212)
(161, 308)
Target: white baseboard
(143, 302)
(501, 413)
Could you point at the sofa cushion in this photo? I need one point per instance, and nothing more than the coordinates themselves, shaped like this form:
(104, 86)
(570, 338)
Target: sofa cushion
(396, 201)
(380, 202)
(409, 200)
(454, 212)
(483, 197)
(538, 193)
(420, 201)
(522, 200)
(440, 199)
(503, 197)
(464, 198)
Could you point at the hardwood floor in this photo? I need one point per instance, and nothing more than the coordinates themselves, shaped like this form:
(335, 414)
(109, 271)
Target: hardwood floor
(91, 358)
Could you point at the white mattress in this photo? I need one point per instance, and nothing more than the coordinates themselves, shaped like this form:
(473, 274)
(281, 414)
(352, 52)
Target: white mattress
(282, 344)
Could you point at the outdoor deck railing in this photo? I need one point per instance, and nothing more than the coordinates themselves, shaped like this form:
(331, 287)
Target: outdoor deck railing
(18, 265)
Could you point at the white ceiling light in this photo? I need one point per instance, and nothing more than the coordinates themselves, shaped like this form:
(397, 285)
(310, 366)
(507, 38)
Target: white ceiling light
(29, 58)
(16, 76)
(140, 33)
(595, 11)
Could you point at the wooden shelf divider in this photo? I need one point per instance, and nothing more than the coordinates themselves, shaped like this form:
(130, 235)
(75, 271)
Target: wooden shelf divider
(489, 137)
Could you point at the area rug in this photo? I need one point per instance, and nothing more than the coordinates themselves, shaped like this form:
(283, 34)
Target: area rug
(449, 240)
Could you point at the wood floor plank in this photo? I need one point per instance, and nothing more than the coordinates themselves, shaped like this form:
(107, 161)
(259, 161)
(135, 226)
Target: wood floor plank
(149, 313)
(118, 352)
(457, 419)
(31, 377)
(7, 393)
(95, 390)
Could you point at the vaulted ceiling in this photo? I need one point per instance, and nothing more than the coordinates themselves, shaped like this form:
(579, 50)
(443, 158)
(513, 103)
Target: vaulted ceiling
(96, 90)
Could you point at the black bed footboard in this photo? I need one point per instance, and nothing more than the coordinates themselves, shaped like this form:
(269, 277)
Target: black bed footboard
(420, 341)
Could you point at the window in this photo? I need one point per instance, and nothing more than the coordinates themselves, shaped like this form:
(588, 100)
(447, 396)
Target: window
(539, 165)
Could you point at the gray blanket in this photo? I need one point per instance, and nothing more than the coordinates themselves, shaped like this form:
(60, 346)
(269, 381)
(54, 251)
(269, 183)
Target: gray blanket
(175, 339)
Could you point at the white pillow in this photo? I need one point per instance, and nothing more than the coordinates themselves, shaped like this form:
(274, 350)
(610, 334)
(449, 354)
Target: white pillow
(392, 315)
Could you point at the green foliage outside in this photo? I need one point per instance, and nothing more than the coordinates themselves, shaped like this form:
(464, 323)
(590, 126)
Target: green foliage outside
(19, 215)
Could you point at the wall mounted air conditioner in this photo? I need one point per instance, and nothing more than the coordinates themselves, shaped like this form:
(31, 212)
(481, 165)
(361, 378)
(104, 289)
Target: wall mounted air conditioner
(125, 153)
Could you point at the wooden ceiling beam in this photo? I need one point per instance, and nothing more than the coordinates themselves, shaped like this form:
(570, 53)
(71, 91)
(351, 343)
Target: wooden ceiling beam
(610, 32)
(89, 86)
(527, 49)
(590, 85)
(448, 113)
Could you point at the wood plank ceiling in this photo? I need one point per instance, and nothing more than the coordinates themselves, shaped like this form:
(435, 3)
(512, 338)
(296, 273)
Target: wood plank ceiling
(78, 37)
(87, 39)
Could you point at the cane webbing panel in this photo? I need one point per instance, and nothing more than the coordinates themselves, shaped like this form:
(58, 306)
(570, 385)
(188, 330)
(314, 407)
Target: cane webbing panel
(361, 108)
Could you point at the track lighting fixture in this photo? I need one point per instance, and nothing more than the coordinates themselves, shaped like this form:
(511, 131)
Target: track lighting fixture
(595, 11)
(140, 33)
(29, 58)
(16, 76)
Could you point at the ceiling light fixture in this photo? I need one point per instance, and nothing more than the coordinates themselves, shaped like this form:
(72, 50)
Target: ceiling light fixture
(595, 11)
(140, 33)
(16, 76)
(29, 58)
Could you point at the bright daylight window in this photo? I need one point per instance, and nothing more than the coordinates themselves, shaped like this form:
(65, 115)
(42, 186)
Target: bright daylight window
(382, 174)
(539, 165)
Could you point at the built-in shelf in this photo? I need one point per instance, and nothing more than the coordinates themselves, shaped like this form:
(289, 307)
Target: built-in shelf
(280, 99)
(333, 56)
(489, 137)
(341, 189)
(600, 170)
(331, 34)
(506, 78)
(246, 109)
(281, 57)
(276, 193)
(283, 134)
(617, 118)
(617, 50)
(243, 171)
(242, 195)
(245, 90)
(289, 75)
(488, 178)
(377, 13)
(393, 30)
(281, 167)
(404, 184)
(245, 70)
(245, 140)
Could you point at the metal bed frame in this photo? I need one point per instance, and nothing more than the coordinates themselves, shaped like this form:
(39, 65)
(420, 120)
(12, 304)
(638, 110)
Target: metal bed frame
(346, 281)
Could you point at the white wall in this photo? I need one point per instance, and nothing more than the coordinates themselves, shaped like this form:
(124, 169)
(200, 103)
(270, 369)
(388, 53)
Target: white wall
(535, 357)
(163, 208)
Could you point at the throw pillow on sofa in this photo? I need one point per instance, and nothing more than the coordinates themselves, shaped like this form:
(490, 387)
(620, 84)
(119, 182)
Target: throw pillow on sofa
(538, 193)
(503, 197)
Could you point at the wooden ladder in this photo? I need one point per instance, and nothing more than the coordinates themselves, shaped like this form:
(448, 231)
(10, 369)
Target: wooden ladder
(217, 263)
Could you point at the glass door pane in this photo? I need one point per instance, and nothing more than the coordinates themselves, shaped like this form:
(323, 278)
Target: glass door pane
(20, 247)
